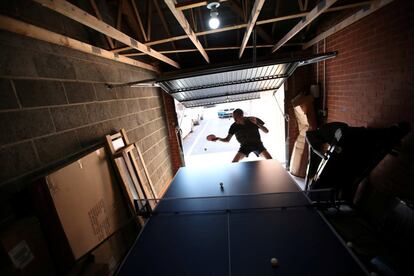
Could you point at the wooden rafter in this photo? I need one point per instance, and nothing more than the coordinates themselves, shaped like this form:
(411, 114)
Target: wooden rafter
(277, 10)
(163, 21)
(98, 14)
(374, 6)
(186, 27)
(119, 14)
(312, 15)
(19, 27)
(303, 5)
(149, 21)
(193, 19)
(212, 49)
(138, 18)
(200, 15)
(239, 12)
(130, 19)
(243, 7)
(257, 7)
(241, 26)
(193, 4)
(162, 18)
(247, 9)
(81, 16)
(121, 49)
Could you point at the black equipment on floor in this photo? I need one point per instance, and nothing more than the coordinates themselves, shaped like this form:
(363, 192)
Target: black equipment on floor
(352, 154)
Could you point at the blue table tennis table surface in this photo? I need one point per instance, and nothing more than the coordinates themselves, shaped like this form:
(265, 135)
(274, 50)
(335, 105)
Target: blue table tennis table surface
(259, 214)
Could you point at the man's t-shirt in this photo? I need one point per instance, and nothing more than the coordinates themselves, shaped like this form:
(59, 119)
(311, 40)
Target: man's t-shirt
(247, 134)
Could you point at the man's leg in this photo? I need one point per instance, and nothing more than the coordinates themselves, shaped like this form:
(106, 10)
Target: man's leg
(266, 154)
(239, 156)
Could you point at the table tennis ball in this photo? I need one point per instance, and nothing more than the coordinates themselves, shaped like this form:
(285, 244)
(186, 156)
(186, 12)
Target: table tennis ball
(274, 262)
(349, 244)
(373, 274)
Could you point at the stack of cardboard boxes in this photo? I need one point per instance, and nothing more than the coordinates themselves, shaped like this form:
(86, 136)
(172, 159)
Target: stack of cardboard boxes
(306, 120)
(83, 223)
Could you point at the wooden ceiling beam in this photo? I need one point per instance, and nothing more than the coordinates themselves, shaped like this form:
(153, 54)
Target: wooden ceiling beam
(303, 14)
(241, 26)
(162, 18)
(149, 21)
(257, 7)
(179, 15)
(164, 22)
(212, 49)
(239, 12)
(277, 10)
(98, 14)
(303, 5)
(193, 19)
(322, 6)
(22, 28)
(200, 15)
(129, 19)
(73, 12)
(243, 7)
(119, 14)
(374, 6)
(138, 18)
(193, 4)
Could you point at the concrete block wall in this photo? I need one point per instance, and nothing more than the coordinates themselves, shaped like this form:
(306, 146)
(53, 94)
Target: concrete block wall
(371, 83)
(54, 105)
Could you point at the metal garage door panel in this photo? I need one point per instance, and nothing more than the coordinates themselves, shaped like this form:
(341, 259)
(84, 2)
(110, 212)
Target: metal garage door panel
(222, 99)
(232, 83)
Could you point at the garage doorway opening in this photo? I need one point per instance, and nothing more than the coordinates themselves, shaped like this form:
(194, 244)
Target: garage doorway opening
(197, 123)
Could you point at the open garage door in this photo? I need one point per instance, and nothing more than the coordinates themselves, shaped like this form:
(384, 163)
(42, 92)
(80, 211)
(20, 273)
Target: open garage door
(232, 83)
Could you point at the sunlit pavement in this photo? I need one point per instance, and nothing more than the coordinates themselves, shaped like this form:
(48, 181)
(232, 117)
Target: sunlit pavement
(200, 152)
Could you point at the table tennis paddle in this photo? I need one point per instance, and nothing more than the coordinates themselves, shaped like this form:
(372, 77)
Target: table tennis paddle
(211, 137)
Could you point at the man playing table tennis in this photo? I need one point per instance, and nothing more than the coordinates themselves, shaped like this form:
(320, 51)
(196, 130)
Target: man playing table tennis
(247, 134)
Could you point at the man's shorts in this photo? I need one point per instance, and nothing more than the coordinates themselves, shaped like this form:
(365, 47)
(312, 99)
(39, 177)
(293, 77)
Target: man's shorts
(247, 149)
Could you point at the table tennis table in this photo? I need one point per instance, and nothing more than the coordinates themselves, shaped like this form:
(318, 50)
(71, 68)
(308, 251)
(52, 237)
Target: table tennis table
(233, 219)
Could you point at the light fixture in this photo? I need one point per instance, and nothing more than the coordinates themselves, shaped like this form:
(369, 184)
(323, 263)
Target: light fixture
(214, 22)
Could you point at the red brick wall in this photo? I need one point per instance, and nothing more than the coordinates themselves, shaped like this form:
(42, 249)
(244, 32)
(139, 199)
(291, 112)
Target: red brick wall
(371, 83)
(171, 117)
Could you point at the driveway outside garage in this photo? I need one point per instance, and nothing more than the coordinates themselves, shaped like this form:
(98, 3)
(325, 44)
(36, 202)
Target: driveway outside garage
(200, 152)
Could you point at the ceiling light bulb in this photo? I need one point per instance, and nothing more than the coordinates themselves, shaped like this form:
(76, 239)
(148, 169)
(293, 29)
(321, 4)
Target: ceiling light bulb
(214, 22)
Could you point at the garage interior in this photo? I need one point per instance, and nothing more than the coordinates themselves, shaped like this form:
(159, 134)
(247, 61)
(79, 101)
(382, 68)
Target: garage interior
(79, 76)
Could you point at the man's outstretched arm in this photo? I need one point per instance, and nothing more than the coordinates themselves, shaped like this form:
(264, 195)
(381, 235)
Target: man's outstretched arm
(227, 139)
(259, 123)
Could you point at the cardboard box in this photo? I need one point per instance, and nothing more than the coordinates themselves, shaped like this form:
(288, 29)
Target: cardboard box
(299, 160)
(306, 120)
(106, 258)
(111, 252)
(24, 250)
(80, 205)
